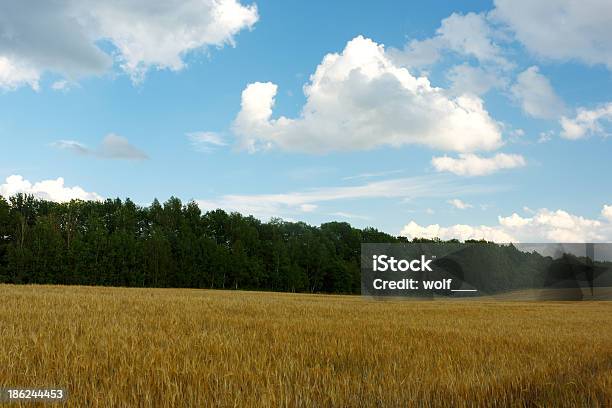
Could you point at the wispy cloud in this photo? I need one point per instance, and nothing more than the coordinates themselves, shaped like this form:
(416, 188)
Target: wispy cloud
(292, 203)
(206, 142)
(374, 174)
(112, 147)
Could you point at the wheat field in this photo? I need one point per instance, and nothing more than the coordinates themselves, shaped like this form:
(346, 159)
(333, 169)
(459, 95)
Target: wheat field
(117, 347)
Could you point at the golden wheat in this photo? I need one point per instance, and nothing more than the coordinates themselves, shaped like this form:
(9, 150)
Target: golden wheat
(164, 347)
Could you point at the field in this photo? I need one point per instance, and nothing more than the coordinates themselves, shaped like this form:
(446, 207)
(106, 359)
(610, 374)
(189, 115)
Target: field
(164, 347)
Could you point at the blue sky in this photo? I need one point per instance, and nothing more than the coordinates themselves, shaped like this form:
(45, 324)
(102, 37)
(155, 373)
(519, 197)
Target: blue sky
(443, 119)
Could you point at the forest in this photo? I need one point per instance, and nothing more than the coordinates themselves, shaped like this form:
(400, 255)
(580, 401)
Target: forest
(118, 243)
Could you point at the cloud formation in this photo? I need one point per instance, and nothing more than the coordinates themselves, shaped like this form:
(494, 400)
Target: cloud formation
(53, 190)
(459, 204)
(542, 225)
(359, 99)
(467, 79)
(112, 147)
(205, 141)
(458, 231)
(63, 36)
(468, 35)
(560, 30)
(536, 95)
(587, 122)
(606, 212)
(474, 165)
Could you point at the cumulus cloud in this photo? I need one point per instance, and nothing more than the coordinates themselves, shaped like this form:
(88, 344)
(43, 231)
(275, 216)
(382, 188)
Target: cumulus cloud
(561, 29)
(47, 36)
(458, 204)
(542, 225)
(53, 190)
(359, 99)
(559, 225)
(158, 34)
(587, 122)
(206, 141)
(63, 36)
(112, 147)
(536, 95)
(469, 35)
(473, 165)
(458, 231)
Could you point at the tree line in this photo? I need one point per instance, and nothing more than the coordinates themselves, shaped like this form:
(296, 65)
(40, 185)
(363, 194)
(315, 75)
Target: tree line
(118, 243)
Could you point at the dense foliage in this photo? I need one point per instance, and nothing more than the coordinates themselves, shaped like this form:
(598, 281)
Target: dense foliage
(119, 243)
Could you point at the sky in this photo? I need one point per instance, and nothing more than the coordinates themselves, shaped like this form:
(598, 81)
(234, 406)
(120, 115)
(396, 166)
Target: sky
(450, 119)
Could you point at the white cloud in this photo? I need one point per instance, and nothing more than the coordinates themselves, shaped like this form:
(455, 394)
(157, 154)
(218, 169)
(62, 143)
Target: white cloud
(296, 202)
(205, 141)
(515, 220)
(459, 231)
(587, 122)
(53, 190)
(606, 212)
(417, 53)
(468, 35)
(63, 85)
(561, 29)
(536, 95)
(73, 146)
(475, 80)
(558, 225)
(62, 36)
(360, 99)
(542, 225)
(112, 147)
(160, 33)
(458, 204)
(473, 165)
(12, 75)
